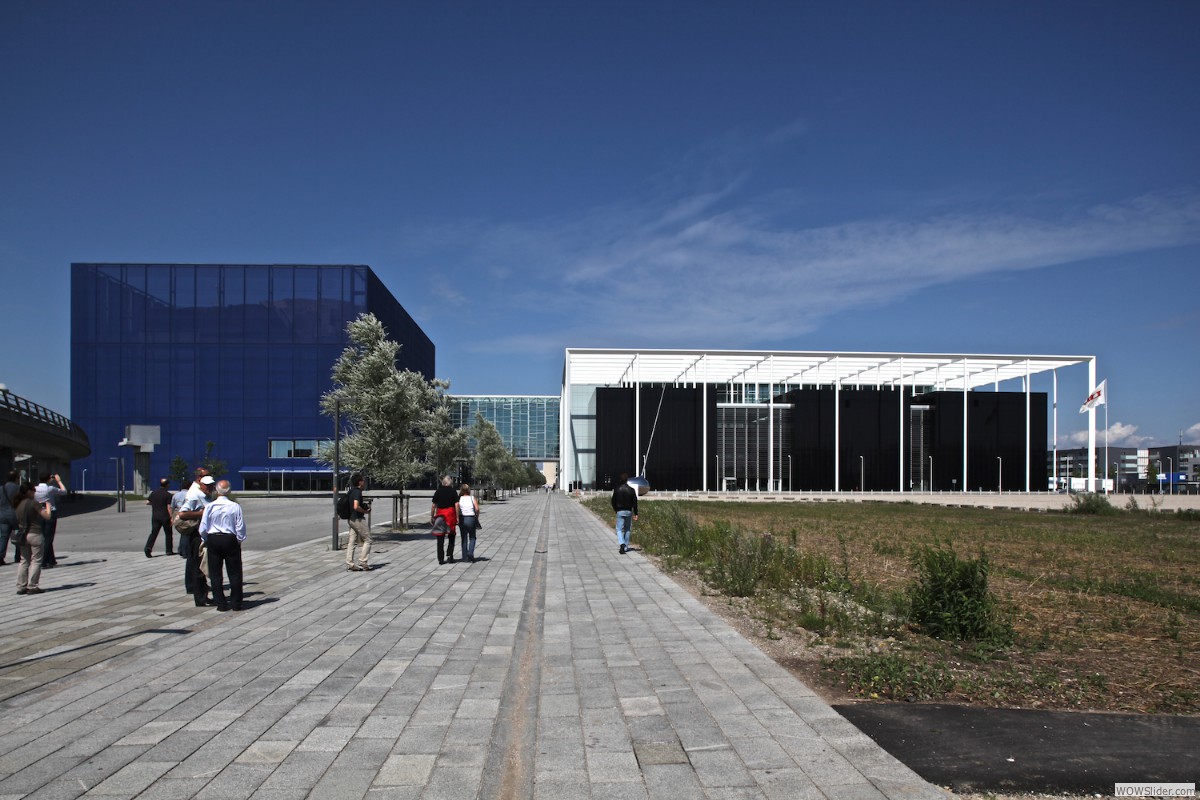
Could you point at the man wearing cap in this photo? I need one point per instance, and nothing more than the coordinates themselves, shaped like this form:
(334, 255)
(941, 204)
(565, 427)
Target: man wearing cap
(223, 529)
(193, 508)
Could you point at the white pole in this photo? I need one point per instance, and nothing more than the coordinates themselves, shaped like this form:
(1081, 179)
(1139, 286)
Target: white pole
(1028, 431)
(637, 414)
(1106, 441)
(704, 426)
(1054, 374)
(964, 460)
(837, 426)
(1091, 470)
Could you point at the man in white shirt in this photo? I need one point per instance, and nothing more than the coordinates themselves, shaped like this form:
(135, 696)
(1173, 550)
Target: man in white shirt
(189, 544)
(48, 492)
(223, 529)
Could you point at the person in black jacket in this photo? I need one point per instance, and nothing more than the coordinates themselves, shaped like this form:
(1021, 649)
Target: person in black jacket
(443, 507)
(624, 502)
(160, 517)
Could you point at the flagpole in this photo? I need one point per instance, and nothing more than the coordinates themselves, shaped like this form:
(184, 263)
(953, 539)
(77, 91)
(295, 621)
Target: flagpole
(1106, 437)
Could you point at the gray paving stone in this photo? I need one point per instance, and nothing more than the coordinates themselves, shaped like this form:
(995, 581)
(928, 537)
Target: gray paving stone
(396, 685)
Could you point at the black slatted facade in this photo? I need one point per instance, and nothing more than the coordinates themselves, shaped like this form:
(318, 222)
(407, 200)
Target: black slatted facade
(870, 441)
(676, 452)
(995, 428)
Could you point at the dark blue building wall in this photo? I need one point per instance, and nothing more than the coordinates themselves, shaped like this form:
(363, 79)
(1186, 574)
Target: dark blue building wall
(237, 355)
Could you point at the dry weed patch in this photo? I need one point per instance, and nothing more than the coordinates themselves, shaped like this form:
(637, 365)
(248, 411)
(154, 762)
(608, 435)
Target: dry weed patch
(1087, 611)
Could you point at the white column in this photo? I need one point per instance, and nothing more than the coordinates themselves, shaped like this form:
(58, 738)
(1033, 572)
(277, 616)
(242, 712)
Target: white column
(770, 425)
(637, 414)
(1054, 375)
(1028, 433)
(837, 425)
(964, 460)
(566, 442)
(900, 402)
(1091, 473)
(704, 427)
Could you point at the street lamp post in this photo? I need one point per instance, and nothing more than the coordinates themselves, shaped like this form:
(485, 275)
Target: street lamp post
(862, 475)
(1170, 476)
(1068, 474)
(789, 472)
(931, 473)
(1000, 478)
(120, 482)
(84, 481)
(337, 452)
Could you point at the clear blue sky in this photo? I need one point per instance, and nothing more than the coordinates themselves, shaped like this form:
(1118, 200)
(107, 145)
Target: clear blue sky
(990, 177)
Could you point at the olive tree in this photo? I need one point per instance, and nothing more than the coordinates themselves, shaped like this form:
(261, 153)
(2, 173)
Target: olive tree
(491, 456)
(445, 443)
(386, 409)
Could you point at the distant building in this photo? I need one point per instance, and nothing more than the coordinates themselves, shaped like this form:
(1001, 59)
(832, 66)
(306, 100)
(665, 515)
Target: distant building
(234, 354)
(528, 424)
(1168, 469)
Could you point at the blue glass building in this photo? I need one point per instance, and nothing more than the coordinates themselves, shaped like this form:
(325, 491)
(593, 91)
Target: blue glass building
(234, 354)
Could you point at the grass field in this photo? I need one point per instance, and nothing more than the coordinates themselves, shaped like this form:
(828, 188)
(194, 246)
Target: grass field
(1082, 611)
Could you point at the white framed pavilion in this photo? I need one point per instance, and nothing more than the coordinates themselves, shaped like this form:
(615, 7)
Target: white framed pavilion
(586, 370)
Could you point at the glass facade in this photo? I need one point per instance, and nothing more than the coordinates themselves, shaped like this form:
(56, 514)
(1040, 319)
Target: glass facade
(528, 425)
(236, 355)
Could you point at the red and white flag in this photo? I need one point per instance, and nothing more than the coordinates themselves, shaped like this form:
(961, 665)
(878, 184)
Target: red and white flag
(1096, 398)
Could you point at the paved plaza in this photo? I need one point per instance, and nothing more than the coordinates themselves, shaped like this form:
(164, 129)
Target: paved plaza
(556, 668)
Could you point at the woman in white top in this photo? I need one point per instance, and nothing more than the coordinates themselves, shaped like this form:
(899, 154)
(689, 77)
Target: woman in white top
(468, 520)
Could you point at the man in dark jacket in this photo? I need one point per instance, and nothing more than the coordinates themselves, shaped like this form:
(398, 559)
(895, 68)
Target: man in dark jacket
(624, 502)
(160, 517)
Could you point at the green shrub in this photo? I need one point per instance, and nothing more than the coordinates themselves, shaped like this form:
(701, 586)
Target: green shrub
(950, 598)
(1091, 504)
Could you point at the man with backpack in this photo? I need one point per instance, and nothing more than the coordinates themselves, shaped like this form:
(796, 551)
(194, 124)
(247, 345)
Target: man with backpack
(355, 509)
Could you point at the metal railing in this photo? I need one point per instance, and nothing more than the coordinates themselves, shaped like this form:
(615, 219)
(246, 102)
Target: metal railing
(17, 409)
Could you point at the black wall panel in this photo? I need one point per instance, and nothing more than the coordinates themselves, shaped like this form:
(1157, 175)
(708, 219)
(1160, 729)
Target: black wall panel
(676, 451)
(870, 442)
(614, 436)
(675, 455)
(995, 431)
(812, 439)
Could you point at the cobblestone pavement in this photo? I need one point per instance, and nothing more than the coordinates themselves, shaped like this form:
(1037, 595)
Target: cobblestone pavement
(555, 668)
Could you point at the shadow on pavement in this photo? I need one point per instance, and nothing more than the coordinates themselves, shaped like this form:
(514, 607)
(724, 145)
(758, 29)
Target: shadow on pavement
(76, 504)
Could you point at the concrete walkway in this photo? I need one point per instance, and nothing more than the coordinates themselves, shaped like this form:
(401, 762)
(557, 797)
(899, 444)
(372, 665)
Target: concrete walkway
(554, 669)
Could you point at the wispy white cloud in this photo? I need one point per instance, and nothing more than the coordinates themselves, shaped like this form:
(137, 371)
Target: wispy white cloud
(700, 261)
(1120, 434)
(1192, 434)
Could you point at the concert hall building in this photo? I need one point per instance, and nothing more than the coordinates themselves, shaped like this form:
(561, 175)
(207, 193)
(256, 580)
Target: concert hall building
(780, 421)
(234, 354)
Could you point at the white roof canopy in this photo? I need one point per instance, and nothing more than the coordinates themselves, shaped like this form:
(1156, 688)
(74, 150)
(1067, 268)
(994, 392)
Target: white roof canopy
(945, 371)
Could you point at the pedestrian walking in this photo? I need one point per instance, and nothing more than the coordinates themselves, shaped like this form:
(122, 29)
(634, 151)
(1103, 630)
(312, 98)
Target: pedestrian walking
(32, 518)
(49, 490)
(8, 517)
(624, 502)
(223, 529)
(187, 525)
(442, 515)
(360, 532)
(468, 521)
(160, 517)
